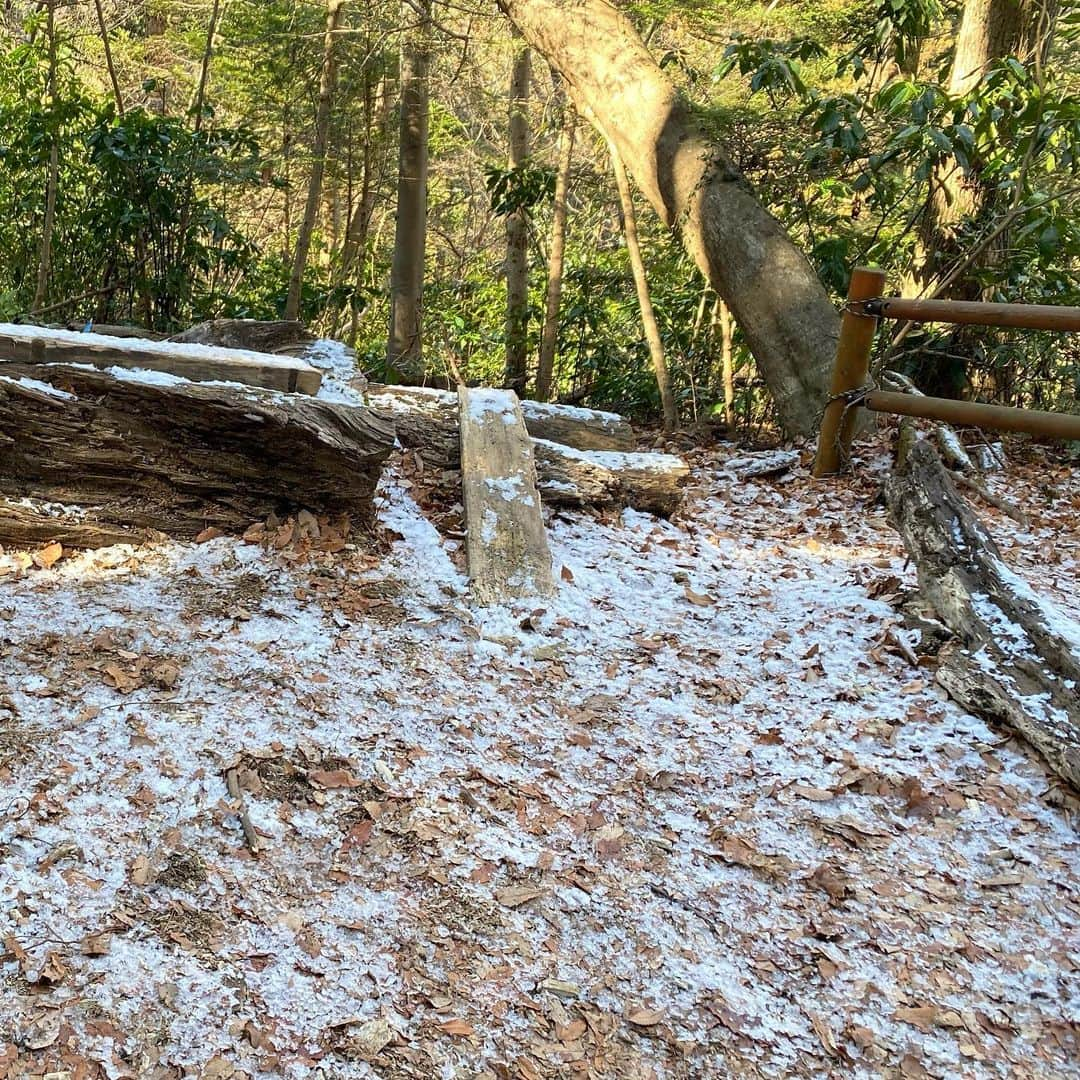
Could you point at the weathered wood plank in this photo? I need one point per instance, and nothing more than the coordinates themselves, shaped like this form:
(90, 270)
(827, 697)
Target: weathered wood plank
(506, 543)
(200, 363)
(128, 454)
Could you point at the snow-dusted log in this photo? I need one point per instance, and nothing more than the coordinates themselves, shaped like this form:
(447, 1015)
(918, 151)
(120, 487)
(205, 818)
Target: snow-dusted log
(584, 429)
(1016, 659)
(506, 543)
(203, 363)
(570, 477)
(581, 455)
(110, 456)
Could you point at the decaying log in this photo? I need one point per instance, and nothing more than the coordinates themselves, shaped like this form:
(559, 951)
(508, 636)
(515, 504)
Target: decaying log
(254, 335)
(1016, 659)
(569, 477)
(203, 363)
(427, 422)
(583, 429)
(118, 455)
(506, 542)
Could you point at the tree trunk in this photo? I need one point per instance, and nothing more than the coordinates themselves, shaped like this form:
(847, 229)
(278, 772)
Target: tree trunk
(404, 350)
(109, 65)
(545, 368)
(648, 316)
(123, 454)
(517, 229)
(198, 103)
(727, 353)
(989, 30)
(327, 80)
(52, 182)
(744, 253)
(1016, 659)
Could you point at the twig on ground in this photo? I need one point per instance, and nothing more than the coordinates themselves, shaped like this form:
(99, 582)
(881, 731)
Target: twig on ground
(251, 837)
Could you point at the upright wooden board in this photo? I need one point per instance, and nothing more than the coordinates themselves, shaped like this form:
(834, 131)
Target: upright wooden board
(200, 363)
(506, 543)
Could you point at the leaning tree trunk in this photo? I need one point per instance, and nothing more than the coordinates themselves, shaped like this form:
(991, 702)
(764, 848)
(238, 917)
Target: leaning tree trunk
(545, 365)
(641, 284)
(743, 251)
(53, 181)
(119, 455)
(404, 352)
(318, 166)
(1016, 659)
(517, 230)
(989, 30)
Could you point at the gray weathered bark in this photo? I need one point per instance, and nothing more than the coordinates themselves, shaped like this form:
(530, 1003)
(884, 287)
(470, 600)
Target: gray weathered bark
(404, 350)
(327, 81)
(1016, 659)
(517, 230)
(785, 314)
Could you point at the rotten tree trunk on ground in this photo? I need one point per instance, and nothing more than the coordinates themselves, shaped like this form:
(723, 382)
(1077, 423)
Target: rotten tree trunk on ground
(1017, 660)
(202, 363)
(117, 456)
(580, 454)
(506, 543)
(256, 335)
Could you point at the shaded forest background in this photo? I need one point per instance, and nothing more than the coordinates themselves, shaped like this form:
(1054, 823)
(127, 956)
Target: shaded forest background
(157, 161)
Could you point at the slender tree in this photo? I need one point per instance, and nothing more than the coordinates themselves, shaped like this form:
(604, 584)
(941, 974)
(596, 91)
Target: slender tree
(404, 351)
(641, 284)
(782, 308)
(52, 182)
(556, 255)
(103, 30)
(517, 228)
(327, 80)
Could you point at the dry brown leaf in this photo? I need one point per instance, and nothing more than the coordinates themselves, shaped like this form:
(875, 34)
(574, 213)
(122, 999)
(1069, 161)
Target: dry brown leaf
(642, 1017)
(333, 778)
(460, 1028)
(923, 1016)
(48, 556)
(210, 533)
(698, 599)
(515, 895)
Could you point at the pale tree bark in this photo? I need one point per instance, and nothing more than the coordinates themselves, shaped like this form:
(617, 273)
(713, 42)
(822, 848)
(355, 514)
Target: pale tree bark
(198, 102)
(727, 354)
(743, 251)
(52, 182)
(109, 65)
(517, 228)
(545, 366)
(989, 30)
(327, 81)
(641, 284)
(404, 350)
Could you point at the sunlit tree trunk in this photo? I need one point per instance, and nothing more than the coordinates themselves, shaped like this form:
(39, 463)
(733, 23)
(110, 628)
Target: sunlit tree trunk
(789, 323)
(989, 30)
(517, 229)
(327, 80)
(556, 256)
(648, 316)
(52, 182)
(727, 361)
(109, 65)
(404, 351)
(198, 102)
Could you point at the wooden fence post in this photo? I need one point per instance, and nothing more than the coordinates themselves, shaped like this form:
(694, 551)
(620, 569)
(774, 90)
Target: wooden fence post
(852, 367)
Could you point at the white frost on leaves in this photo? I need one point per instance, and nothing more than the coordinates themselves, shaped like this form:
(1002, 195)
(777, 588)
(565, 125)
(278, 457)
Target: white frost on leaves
(714, 790)
(619, 459)
(337, 362)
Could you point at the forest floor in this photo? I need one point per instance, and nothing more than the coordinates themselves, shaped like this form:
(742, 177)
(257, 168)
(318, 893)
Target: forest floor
(695, 816)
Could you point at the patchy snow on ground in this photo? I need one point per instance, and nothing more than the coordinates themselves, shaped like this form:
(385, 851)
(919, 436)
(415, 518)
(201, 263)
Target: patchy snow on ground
(695, 816)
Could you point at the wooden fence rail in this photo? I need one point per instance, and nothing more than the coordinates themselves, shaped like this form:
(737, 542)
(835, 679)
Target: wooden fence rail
(850, 389)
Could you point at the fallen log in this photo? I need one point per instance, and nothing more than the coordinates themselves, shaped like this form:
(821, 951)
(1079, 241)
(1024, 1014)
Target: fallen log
(254, 335)
(584, 429)
(1016, 659)
(506, 543)
(426, 422)
(112, 456)
(202, 363)
(569, 477)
